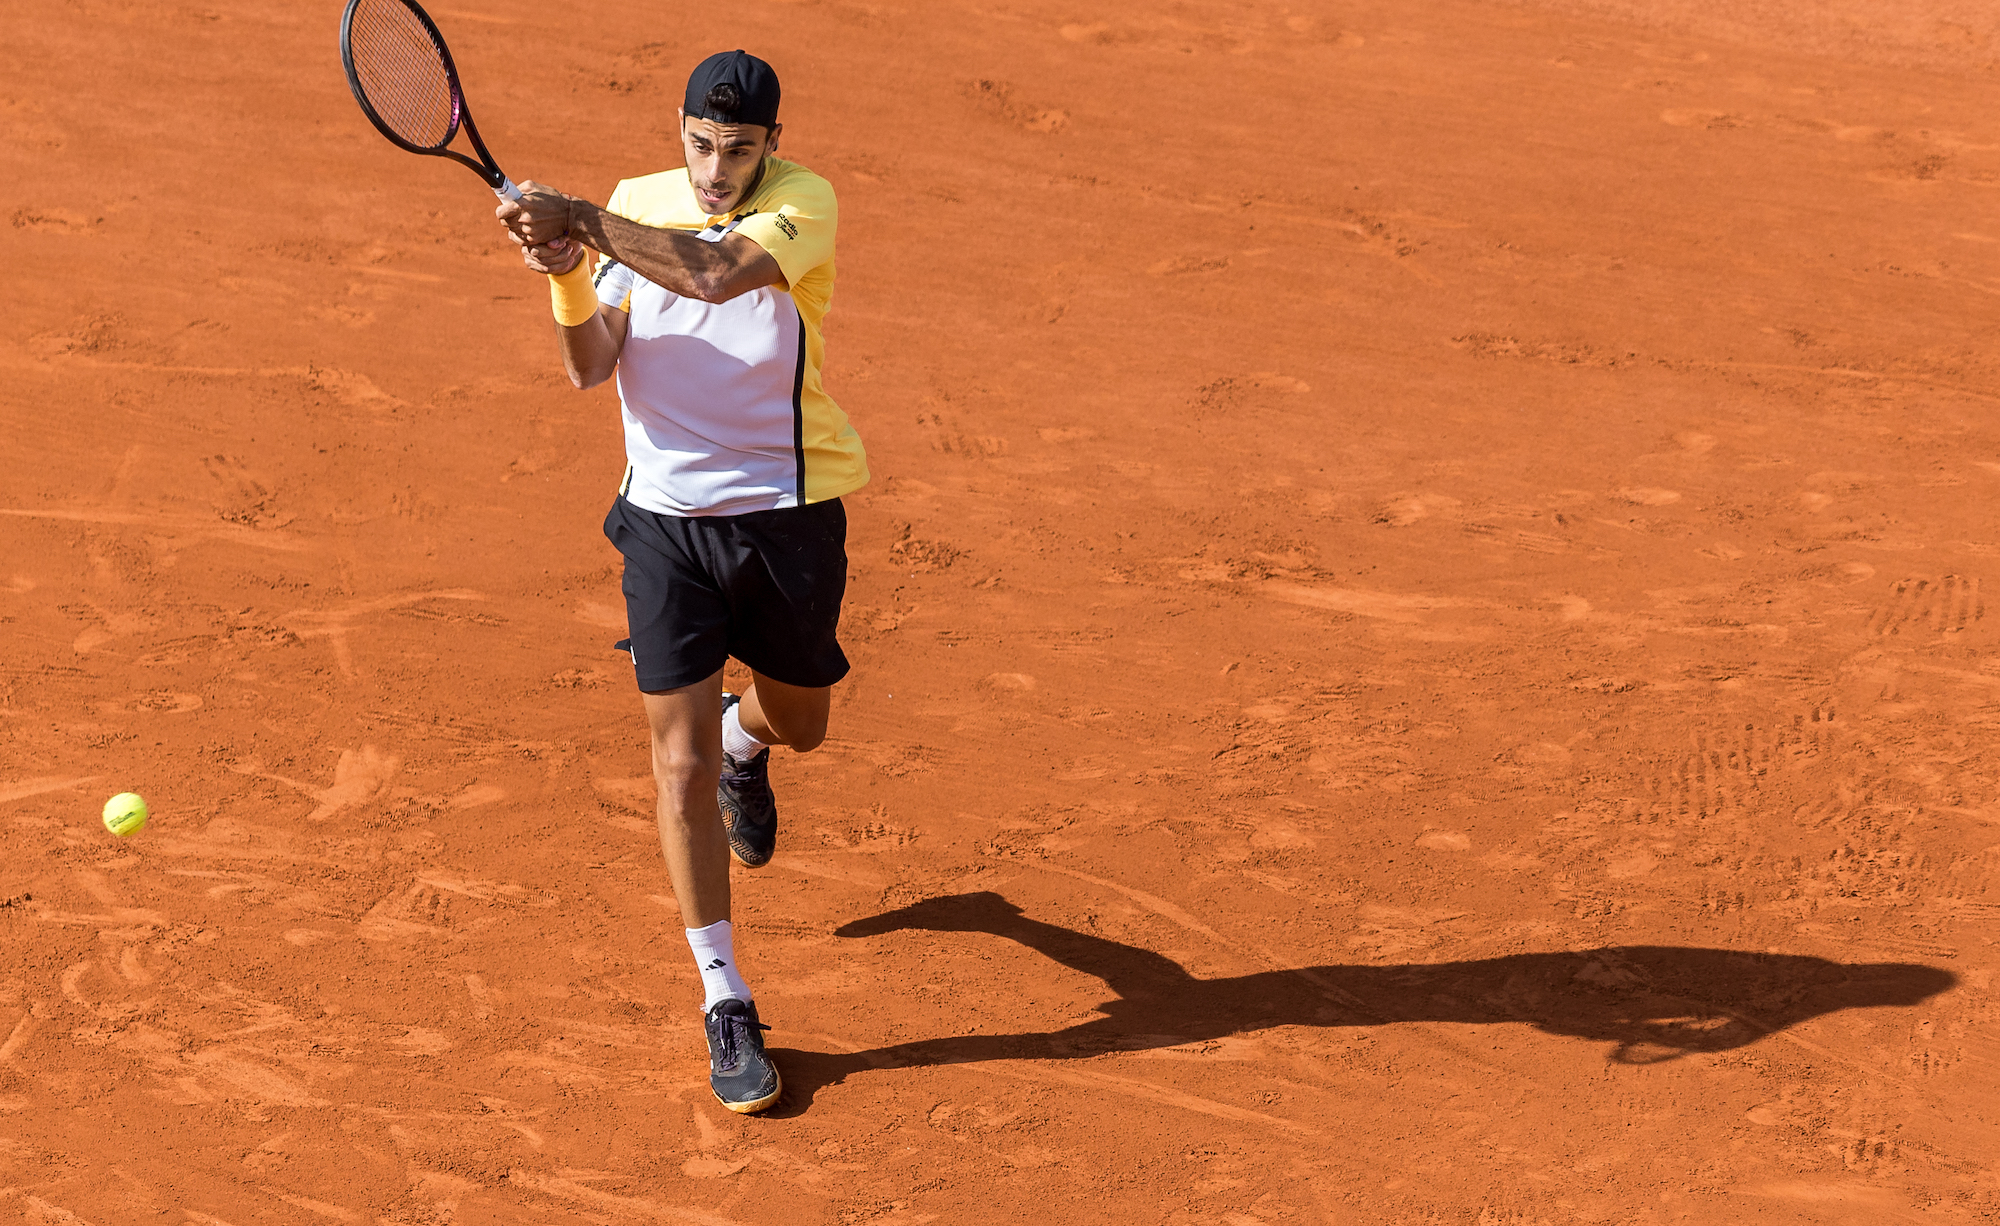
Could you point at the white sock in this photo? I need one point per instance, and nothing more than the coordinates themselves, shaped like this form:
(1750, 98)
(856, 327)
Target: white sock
(715, 953)
(737, 743)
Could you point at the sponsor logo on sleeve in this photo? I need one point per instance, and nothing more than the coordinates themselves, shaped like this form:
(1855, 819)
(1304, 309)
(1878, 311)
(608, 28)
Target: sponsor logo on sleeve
(785, 224)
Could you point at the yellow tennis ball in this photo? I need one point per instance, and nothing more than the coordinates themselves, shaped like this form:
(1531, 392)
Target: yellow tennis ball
(125, 814)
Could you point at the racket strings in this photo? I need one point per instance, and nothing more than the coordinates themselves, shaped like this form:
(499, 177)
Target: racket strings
(403, 73)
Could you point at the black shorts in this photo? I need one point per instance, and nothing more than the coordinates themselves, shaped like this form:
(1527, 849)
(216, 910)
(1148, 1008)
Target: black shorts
(764, 587)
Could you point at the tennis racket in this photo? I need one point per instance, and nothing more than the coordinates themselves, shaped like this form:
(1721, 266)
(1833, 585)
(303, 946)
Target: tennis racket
(402, 75)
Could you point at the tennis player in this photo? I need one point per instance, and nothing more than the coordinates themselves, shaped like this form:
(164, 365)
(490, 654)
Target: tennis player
(706, 302)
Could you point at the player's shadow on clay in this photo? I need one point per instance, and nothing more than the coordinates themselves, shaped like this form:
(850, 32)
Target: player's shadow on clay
(1651, 1003)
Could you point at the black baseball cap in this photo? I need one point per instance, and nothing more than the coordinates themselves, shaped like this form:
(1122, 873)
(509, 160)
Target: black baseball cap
(753, 82)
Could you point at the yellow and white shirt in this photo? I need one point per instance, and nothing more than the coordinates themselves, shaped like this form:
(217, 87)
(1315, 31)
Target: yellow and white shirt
(724, 412)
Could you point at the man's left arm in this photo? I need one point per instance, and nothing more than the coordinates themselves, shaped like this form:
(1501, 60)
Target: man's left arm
(675, 260)
(797, 230)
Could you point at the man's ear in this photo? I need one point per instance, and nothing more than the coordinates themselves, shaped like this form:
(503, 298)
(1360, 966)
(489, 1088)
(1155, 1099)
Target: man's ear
(771, 143)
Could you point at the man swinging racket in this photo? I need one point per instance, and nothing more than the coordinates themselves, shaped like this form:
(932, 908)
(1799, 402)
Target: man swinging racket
(706, 303)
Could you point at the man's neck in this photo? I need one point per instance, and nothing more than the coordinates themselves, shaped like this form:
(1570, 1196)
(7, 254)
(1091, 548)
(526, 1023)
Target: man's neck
(750, 192)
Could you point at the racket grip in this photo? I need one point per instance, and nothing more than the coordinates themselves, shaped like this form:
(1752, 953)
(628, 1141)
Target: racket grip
(507, 190)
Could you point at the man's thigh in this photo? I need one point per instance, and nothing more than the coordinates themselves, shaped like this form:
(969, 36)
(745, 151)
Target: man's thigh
(687, 727)
(676, 615)
(798, 713)
(786, 575)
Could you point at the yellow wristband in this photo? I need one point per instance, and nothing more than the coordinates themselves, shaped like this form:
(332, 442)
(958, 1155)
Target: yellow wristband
(573, 296)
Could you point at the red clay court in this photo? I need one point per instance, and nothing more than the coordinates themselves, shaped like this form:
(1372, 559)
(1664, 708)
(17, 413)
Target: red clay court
(1422, 631)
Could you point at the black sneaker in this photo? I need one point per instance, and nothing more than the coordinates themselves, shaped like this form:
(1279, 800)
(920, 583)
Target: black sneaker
(743, 1079)
(749, 811)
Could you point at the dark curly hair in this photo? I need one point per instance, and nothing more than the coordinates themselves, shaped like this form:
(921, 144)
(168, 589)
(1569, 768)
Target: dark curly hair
(723, 101)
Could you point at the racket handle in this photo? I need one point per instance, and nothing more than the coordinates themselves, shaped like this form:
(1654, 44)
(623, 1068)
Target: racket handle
(507, 190)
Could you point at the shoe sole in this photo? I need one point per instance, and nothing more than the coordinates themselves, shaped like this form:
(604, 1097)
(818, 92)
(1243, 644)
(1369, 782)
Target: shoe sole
(755, 1105)
(731, 840)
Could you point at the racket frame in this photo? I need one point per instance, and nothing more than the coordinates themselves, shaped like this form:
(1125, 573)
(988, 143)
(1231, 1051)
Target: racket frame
(461, 114)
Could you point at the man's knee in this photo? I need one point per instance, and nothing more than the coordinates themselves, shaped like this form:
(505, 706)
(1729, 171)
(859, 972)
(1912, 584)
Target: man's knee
(796, 716)
(810, 738)
(681, 771)
(800, 731)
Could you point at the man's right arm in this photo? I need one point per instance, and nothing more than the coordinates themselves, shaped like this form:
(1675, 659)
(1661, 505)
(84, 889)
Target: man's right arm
(675, 260)
(591, 348)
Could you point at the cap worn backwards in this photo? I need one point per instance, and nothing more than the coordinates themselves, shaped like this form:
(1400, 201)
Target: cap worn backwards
(733, 87)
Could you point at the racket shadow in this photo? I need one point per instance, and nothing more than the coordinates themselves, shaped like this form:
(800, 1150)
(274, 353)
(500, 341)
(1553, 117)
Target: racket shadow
(1646, 1003)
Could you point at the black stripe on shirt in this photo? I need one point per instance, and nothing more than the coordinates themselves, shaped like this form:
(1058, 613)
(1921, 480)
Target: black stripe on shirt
(799, 414)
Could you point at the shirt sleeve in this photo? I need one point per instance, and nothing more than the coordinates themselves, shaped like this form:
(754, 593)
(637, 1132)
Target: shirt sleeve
(612, 279)
(614, 283)
(796, 227)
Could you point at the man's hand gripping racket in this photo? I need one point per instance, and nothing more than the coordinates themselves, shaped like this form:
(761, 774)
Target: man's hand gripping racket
(402, 75)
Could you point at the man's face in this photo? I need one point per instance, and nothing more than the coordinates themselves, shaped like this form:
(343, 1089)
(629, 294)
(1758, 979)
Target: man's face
(723, 159)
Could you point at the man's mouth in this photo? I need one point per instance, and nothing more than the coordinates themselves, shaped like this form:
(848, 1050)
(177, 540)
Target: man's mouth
(710, 195)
